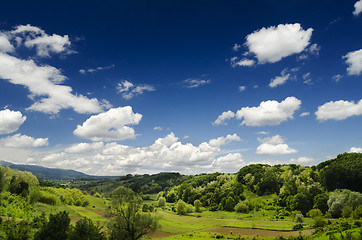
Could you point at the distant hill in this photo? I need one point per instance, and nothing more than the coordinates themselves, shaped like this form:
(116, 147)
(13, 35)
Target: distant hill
(44, 173)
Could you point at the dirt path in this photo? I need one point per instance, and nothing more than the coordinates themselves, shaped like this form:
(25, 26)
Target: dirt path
(260, 232)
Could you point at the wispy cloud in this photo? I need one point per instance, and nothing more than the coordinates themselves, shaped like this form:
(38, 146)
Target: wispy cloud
(195, 83)
(93, 70)
(129, 90)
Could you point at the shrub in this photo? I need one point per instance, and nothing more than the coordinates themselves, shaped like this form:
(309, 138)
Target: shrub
(297, 226)
(299, 218)
(162, 202)
(241, 207)
(319, 222)
(314, 213)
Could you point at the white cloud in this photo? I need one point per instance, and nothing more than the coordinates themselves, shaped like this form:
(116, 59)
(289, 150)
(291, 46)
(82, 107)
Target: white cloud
(354, 60)
(43, 43)
(129, 90)
(274, 146)
(93, 70)
(301, 160)
(242, 88)
(23, 141)
(236, 47)
(245, 62)
(47, 44)
(279, 80)
(339, 110)
(195, 83)
(220, 141)
(274, 43)
(230, 163)
(337, 77)
(355, 150)
(165, 154)
(43, 81)
(307, 78)
(269, 112)
(262, 133)
(157, 128)
(110, 125)
(357, 8)
(5, 45)
(223, 117)
(84, 147)
(10, 121)
(304, 114)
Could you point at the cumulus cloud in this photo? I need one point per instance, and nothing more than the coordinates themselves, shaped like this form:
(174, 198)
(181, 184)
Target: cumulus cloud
(23, 141)
(165, 154)
(301, 160)
(272, 44)
(129, 90)
(269, 112)
(223, 117)
(230, 163)
(43, 43)
(5, 45)
(280, 80)
(274, 146)
(157, 128)
(245, 62)
(357, 8)
(93, 70)
(10, 121)
(339, 110)
(84, 147)
(355, 150)
(195, 83)
(44, 81)
(354, 60)
(110, 125)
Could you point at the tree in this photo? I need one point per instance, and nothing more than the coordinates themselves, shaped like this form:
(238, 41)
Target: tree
(85, 229)
(197, 205)
(181, 207)
(56, 228)
(162, 202)
(128, 223)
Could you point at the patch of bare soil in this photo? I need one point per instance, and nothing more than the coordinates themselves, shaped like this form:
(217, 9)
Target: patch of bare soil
(259, 232)
(159, 234)
(74, 219)
(100, 213)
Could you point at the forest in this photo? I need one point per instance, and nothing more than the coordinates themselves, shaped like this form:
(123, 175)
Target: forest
(290, 201)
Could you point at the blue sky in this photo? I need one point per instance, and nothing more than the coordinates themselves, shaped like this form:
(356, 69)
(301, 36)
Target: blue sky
(122, 87)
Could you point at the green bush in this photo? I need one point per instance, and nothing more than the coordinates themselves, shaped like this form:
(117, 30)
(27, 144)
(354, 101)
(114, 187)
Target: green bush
(241, 207)
(299, 218)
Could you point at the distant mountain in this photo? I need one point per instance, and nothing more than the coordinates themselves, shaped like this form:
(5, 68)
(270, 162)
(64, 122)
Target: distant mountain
(44, 173)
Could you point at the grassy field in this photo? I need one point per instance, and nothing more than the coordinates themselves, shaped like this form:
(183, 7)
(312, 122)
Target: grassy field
(205, 225)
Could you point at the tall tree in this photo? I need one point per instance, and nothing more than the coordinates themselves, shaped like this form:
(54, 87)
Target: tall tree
(128, 223)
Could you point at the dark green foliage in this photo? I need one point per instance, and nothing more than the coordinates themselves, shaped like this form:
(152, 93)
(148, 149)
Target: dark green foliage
(343, 172)
(320, 202)
(85, 229)
(301, 202)
(127, 222)
(17, 230)
(56, 228)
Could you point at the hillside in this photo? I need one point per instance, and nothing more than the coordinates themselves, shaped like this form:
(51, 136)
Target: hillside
(43, 173)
